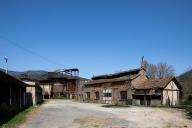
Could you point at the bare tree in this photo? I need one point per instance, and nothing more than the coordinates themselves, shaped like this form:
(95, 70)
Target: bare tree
(161, 70)
(151, 70)
(165, 70)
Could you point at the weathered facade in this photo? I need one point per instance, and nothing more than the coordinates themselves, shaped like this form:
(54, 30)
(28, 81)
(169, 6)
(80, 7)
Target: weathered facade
(12, 91)
(34, 93)
(132, 87)
(157, 91)
(33, 89)
(57, 84)
(80, 88)
(113, 88)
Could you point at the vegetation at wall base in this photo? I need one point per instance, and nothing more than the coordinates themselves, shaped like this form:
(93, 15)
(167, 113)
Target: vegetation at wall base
(188, 107)
(189, 111)
(12, 118)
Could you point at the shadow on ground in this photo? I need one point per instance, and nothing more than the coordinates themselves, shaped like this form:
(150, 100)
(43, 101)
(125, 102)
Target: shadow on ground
(115, 106)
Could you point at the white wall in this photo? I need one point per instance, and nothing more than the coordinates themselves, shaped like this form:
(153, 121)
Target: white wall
(171, 94)
(31, 90)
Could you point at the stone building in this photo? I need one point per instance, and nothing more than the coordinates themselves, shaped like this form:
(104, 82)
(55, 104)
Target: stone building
(157, 91)
(132, 87)
(34, 92)
(113, 88)
(62, 83)
(33, 89)
(80, 88)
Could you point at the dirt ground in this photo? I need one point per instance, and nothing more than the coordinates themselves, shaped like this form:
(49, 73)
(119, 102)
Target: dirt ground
(69, 114)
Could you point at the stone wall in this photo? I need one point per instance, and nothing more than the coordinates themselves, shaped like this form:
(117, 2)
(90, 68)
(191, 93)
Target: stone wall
(116, 88)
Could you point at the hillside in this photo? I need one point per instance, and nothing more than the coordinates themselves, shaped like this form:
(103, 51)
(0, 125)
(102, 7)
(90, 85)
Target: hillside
(186, 82)
(34, 74)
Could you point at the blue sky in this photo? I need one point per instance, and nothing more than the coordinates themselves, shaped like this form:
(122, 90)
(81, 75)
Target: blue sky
(96, 36)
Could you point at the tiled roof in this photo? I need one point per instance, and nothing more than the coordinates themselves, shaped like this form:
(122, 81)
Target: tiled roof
(55, 75)
(153, 83)
(10, 79)
(116, 75)
(100, 81)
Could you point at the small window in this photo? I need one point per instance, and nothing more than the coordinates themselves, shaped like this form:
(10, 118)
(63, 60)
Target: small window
(107, 94)
(123, 95)
(97, 95)
(88, 95)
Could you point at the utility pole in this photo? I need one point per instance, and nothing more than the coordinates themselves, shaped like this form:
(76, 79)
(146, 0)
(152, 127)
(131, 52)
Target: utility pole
(10, 91)
(6, 61)
(6, 70)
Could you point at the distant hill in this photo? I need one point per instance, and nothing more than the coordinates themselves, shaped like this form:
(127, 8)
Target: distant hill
(186, 82)
(33, 74)
(13, 73)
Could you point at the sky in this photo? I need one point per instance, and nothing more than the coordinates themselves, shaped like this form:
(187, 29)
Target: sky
(96, 36)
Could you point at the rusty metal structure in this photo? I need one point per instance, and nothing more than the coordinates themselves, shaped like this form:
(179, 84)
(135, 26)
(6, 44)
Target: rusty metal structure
(60, 83)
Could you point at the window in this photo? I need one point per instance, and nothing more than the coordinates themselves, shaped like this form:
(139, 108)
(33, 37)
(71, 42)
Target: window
(123, 95)
(107, 94)
(88, 95)
(156, 97)
(97, 95)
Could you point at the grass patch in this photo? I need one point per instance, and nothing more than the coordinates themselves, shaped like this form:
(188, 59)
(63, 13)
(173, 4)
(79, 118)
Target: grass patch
(189, 111)
(14, 120)
(18, 119)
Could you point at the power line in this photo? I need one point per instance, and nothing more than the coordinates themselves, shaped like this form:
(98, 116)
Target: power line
(29, 51)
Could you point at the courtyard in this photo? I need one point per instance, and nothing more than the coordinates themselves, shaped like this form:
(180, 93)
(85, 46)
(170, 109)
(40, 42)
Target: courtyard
(69, 114)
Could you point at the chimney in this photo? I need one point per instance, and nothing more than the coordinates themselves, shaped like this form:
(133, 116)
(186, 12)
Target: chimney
(142, 62)
(142, 71)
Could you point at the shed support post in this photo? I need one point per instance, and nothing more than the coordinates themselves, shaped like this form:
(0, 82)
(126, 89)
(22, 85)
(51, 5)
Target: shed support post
(43, 92)
(145, 101)
(10, 95)
(20, 97)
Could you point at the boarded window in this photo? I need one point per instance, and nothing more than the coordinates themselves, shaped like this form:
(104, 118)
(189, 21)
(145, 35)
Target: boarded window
(88, 95)
(97, 95)
(123, 95)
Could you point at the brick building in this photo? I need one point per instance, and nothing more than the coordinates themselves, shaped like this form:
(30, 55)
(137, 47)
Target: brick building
(132, 87)
(61, 83)
(113, 88)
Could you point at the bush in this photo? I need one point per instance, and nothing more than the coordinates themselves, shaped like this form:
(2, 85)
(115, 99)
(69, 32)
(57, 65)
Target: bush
(6, 112)
(13, 121)
(189, 98)
(189, 110)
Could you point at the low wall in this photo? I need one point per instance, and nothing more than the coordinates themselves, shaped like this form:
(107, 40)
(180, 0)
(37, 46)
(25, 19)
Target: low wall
(155, 102)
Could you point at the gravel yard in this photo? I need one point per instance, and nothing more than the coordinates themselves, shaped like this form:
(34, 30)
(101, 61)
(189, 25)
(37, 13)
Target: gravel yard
(69, 114)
